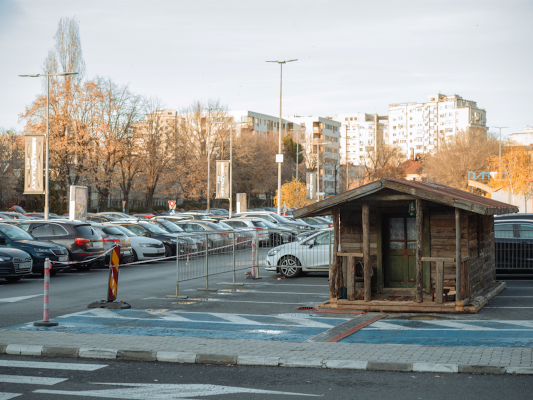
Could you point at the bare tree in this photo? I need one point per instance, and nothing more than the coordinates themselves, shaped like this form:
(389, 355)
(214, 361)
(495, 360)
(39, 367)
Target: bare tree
(457, 155)
(11, 166)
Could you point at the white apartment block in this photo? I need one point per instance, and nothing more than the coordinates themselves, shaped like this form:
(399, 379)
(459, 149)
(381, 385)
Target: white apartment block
(418, 127)
(254, 122)
(325, 131)
(360, 135)
(523, 138)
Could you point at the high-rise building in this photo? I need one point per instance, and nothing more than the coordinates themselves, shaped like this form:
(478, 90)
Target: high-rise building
(418, 128)
(360, 135)
(523, 138)
(254, 122)
(322, 136)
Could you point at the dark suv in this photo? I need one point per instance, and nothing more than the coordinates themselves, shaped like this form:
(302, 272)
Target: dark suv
(513, 239)
(82, 241)
(15, 264)
(12, 237)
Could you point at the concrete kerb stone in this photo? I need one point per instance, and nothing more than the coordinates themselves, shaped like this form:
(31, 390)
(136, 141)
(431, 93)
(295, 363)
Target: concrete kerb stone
(50, 351)
(389, 366)
(24, 350)
(435, 367)
(137, 355)
(301, 362)
(519, 370)
(345, 364)
(216, 359)
(102, 354)
(258, 360)
(481, 369)
(176, 357)
(2, 348)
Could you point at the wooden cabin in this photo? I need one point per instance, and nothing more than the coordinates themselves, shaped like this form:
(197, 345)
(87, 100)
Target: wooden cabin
(411, 247)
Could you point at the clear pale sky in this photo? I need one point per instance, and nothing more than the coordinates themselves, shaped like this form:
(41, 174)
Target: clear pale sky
(353, 56)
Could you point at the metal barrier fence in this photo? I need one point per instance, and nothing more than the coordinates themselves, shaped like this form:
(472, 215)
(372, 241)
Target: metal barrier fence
(205, 255)
(514, 249)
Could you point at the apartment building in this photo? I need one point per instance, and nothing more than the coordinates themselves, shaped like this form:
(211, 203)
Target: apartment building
(322, 138)
(523, 138)
(417, 128)
(360, 135)
(254, 122)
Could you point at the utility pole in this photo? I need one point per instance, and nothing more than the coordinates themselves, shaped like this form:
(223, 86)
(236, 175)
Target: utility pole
(279, 156)
(500, 141)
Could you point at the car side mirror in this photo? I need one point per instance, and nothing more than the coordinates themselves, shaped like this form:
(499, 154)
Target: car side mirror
(147, 235)
(311, 245)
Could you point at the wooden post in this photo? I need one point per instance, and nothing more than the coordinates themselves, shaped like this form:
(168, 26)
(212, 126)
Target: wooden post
(439, 290)
(366, 251)
(336, 266)
(419, 241)
(465, 287)
(458, 254)
(350, 275)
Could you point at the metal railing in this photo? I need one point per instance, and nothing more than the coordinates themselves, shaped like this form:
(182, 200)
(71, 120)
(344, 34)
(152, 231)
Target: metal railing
(514, 249)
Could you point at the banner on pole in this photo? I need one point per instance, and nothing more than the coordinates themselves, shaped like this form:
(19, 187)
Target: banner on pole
(78, 203)
(310, 186)
(33, 159)
(222, 180)
(241, 202)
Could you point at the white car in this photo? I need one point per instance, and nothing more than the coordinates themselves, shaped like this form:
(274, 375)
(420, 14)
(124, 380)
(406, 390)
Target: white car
(310, 255)
(144, 248)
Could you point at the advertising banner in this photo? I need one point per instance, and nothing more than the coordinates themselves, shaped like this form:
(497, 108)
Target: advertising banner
(241, 202)
(222, 180)
(310, 186)
(33, 160)
(78, 203)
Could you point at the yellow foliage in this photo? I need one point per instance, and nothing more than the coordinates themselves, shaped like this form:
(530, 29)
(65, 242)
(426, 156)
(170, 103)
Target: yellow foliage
(293, 194)
(514, 169)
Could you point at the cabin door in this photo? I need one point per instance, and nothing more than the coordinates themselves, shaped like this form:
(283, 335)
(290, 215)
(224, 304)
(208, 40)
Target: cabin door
(400, 250)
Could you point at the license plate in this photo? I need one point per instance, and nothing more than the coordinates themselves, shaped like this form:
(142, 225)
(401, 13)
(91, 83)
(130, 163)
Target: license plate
(98, 244)
(23, 266)
(62, 258)
(127, 252)
(161, 251)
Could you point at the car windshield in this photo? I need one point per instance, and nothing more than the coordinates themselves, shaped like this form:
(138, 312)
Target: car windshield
(117, 215)
(170, 226)
(112, 230)
(269, 224)
(222, 224)
(15, 233)
(153, 228)
(126, 231)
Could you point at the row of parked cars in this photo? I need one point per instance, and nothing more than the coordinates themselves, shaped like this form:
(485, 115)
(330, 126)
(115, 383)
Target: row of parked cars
(27, 240)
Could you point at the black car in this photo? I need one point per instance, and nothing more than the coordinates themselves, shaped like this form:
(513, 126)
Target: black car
(147, 229)
(195, 243)
(15, 264)
(82, 242)
(513, 240)
(100, 219)
(12, 237)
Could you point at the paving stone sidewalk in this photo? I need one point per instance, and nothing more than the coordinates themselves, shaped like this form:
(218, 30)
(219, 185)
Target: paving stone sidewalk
(390, 357)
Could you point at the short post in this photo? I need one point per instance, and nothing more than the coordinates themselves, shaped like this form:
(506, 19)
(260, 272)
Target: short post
(439, 290)
(46, 310)
(206, 267)
(176, 296)
(234, 258)
(256, 241)
(253, 257)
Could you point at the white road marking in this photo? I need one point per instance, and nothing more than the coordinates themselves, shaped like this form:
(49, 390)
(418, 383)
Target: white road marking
(236, 319)
(459, 325)
(33, 380)
(19, 298)
(261, 291)
(144, 391)
(305, 321)
(7, 396)
(236, 301)
(50, 365)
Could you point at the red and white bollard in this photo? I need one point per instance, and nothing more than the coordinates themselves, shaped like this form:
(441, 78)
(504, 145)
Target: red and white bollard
(46, 309)
(253, 259)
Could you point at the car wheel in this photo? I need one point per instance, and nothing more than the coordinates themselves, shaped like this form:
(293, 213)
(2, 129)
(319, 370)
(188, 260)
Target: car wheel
(135, 258)
(168, 251)
(13, 278)
(288, 267)
(128, 260)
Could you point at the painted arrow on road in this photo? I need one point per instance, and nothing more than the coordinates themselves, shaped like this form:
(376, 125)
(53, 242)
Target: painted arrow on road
(144, 391)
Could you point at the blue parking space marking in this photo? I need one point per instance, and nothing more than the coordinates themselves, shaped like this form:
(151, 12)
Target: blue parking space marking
(280, 327)
(447, 333)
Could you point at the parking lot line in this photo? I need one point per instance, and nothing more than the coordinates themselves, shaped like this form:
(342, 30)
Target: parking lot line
(260, 291)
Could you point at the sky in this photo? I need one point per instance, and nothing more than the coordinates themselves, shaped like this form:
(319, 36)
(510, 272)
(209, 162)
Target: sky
(353, 56)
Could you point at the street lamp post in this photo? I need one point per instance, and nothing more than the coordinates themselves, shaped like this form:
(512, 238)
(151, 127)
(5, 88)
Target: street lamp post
(47, 175)
(500, 142)
(279, 144)
(318, 169)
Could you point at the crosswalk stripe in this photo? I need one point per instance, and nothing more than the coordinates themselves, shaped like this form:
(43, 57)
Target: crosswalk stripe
(7, 396)
(51, 365)
(19, 298)
(33, 380)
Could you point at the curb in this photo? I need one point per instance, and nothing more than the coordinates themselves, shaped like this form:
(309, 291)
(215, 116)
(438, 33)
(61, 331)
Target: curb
(225, 359)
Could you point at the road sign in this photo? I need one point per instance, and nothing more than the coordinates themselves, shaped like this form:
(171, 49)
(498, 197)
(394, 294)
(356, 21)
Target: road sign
(222, 180)
(172, 204)
(310, 178)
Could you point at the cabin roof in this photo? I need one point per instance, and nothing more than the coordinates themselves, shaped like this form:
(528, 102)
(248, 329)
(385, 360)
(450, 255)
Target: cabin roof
(423, 190)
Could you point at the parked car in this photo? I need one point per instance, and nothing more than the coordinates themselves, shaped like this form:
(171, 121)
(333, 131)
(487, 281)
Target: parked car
(278, 236)
(143, 248)
(15, 264)
(243, 237)
(17, 209)
(218, 236)
(118, 215)
(310, 255)
(144, 216)
(112, 236)
(194, 243)
(219, 211)
(197, 215)
(147, 229)
(513, 240)
(318, 222)
(81, 241)
(11, 215)
(304, 235)
(250, 224)
(176, 216)
(100, 219)
(274, 218)
(13, 237)
(37, 215)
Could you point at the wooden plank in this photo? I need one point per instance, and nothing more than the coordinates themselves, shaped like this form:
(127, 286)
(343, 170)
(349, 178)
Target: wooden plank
(420, 193)
(355, 328)
(336, 267)
(343, 254)
(458, 252)
(465, 287)
(366, 250)
(379, 251)
(390, 197)
(419, 240)
(350, 275)
(427, 251)
(439, 287)
(438, 259)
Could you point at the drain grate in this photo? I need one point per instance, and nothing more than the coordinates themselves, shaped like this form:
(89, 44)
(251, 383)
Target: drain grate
(346, 328)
